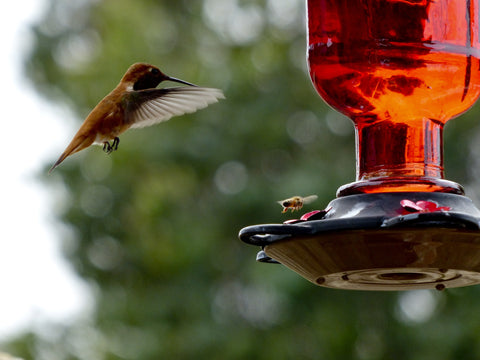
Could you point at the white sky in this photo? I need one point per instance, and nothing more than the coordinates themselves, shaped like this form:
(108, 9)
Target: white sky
(36, 283)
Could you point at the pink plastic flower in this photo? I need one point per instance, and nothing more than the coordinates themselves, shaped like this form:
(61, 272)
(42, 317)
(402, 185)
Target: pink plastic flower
(422, 206)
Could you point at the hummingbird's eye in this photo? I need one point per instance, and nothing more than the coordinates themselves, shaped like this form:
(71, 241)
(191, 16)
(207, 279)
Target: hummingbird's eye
(155, 71)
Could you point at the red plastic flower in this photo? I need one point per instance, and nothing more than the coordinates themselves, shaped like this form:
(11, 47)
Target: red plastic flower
(308, 215)
(312, 215)
(422, 206)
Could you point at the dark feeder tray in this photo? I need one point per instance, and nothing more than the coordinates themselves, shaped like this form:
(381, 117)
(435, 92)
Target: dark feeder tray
(377, 242)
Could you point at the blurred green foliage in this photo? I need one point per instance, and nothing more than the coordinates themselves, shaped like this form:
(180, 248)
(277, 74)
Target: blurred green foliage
(154, 225)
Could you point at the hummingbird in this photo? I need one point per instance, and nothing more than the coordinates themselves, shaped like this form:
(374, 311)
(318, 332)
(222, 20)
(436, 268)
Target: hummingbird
(136, 102)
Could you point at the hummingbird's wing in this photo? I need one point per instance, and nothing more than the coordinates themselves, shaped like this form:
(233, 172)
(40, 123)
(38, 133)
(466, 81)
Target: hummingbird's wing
(151, 106)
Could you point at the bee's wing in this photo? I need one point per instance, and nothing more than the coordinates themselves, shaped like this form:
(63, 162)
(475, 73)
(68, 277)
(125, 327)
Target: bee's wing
(309, 199)
(151, 106)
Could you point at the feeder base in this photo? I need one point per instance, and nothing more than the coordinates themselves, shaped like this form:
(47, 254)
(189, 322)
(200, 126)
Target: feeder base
(407, 259)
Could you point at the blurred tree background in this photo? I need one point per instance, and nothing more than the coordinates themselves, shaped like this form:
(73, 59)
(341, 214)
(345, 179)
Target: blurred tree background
(153, 227)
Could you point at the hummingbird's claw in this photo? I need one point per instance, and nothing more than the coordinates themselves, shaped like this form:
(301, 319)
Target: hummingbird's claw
(106, 147)
(109, 148)
(115, 143)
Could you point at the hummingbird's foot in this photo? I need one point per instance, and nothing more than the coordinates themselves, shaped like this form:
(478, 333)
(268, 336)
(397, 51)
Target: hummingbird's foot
(109, 148)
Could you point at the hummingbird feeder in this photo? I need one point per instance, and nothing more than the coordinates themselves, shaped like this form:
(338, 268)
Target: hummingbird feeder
(399, 70)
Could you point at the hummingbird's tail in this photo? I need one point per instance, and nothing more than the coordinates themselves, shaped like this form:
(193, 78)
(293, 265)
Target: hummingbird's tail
(78, 143)
(60, 159)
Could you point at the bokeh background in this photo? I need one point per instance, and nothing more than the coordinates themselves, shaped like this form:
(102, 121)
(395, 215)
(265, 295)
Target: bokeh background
(152, 228)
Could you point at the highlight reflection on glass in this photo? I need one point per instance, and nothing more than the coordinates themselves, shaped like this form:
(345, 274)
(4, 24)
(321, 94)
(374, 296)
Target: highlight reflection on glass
(400, 69)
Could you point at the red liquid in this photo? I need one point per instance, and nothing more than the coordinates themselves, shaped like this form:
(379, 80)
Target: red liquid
(400, 69)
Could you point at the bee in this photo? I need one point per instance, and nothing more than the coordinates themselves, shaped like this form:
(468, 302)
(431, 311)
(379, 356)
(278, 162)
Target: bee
(296, 202)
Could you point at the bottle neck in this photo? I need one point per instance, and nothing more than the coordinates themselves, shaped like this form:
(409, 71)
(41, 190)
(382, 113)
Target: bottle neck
(385, 148)
(399, 157)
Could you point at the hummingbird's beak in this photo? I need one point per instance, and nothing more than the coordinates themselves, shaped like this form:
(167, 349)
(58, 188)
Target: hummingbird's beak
(179, 81)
